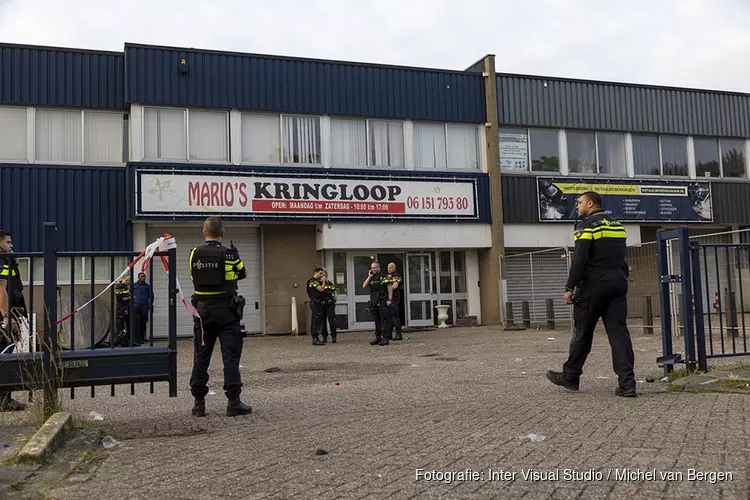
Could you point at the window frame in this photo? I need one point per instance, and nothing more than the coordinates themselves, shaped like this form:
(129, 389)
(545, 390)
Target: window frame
(529, 170)
(81, 267)
(27, 125)
(722, 175)
(597, 161)
(448, 167)
(186, 121)
(32, 128)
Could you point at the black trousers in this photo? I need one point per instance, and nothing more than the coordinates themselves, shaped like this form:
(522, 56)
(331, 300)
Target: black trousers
(141, 320)
(219, 322)
(383, 323)
(5, 396)
(318, 321)
(605, 300)
(395, 311)
(329, 323)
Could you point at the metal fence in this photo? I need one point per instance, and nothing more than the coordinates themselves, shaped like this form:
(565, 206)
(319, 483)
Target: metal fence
(79, 350)
(533, 286)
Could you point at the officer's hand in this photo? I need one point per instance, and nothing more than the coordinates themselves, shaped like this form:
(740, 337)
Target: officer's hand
(388, 302)
(568, 297)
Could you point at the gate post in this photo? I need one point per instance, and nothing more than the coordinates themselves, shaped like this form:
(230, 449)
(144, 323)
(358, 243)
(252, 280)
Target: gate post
(664, 303)
(49, 346)
(700, 331)
(172, 320)
(687, 298)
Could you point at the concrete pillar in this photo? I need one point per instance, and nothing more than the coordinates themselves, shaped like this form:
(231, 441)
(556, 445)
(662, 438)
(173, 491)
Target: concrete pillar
(489, 258)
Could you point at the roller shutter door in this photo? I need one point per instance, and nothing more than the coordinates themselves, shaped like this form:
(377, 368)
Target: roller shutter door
(536, 277)
(247, 242)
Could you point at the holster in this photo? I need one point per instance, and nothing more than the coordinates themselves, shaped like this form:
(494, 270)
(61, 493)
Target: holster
(577, 293)
(238, 305)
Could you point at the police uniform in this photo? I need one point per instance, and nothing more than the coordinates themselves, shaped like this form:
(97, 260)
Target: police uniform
(329, 303)
(10, 274)
(122, 299)
(394, 309)
(317, 306)
(598, 279)
(380, 311)
(215, 270)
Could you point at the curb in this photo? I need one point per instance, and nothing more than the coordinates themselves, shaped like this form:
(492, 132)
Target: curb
(47, 439)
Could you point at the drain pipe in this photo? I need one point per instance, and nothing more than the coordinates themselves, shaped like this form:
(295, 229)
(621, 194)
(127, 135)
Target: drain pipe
(295, 327)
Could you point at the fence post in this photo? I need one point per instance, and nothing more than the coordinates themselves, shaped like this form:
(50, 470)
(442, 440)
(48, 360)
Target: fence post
(172, 320)
(687, 299)
(49, 346)
(700, 332)
(550, 314)
(665, 302)
(526, 314)
(648, 316)
(509, 314)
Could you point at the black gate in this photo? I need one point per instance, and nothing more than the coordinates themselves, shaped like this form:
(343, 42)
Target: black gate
(61, 355)
(711, 272)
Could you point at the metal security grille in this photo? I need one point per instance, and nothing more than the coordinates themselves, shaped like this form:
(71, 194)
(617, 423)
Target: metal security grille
(536, 277)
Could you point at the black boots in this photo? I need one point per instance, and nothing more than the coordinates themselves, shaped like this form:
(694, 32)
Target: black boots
(376, 341)
(559, 378)
(199, 408)
(628, 392)
(398, 336)
(333, 338)
(317, 340)
(236, 407)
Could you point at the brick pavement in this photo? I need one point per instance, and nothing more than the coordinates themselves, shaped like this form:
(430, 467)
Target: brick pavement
(446, 400)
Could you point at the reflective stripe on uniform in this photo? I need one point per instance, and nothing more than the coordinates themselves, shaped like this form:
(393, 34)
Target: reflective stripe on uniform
(231, 267)
(208, 293)
(190, 263)
(612, 231)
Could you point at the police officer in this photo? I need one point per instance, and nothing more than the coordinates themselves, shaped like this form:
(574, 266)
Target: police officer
(598, 276)
(316, 293)
(122, 299)
(329, 303)
(12, 305)
(380, 311)
(393, 282)
(215, 270)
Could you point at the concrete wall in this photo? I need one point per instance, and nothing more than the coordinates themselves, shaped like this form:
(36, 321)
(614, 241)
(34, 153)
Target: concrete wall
(289, 257)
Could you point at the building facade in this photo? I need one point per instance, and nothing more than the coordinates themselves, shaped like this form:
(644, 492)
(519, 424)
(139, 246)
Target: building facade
(451, 175)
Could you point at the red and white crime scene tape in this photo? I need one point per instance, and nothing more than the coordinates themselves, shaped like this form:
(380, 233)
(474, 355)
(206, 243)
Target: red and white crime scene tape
(162, 244)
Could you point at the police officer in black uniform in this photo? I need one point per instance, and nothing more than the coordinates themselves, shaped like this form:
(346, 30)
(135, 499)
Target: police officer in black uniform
(597, 287)
(122, 323)
(393, 281)
(215, 270)
(316, 293)
(378, 299)
(329, 303)
(12, 308)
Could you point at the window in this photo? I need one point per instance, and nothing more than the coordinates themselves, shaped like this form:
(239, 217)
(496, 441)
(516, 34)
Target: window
(646, 155)
(261, 138)
(581, 152)
(706, 157)
(514, 149)
(301, 136)
(348, 142)
(610, 151)
(733, 157)
(13, 134)
(59, 136)
(545, 150)
(82, 271)
(209, 135)
(674, 156)
(166, 135)
(386, 143)
(78, 136)
(441, 146)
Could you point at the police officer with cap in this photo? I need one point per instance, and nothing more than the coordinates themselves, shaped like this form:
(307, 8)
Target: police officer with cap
(12, 305)
(317, 294)
(597, 287)
(215, 270)
(329, 303)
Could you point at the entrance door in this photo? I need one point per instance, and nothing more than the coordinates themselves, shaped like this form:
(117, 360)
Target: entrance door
(359, 268)
(419, 289)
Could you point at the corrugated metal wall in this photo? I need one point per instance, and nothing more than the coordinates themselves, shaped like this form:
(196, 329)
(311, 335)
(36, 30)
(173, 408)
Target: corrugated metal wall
(44, 76)
(225, 80)
(524, 100)
(87, 203)
(731, 202)
(520, 205)
(482, 182)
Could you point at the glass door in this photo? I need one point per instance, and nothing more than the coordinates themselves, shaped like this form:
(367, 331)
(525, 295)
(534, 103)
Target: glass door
(359, 269)
(419, 289)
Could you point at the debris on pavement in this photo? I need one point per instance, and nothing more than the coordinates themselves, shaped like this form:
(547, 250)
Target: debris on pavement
(650, 379)
(211, 392)
(534, 438)
(95, 416)
(273, 369)
(109, 442)
(321, 451)
(665, 379)
(550, 338)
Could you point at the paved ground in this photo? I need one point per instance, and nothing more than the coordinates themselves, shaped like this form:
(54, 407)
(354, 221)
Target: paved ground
(445, 401)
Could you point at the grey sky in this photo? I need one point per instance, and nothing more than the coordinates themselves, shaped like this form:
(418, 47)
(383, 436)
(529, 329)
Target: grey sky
(685, 43)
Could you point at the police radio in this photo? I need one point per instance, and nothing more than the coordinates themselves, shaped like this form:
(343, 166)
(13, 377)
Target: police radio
(238, 301)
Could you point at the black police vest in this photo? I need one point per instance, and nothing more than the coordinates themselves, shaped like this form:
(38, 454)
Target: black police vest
(208, 269)
(377, 290)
